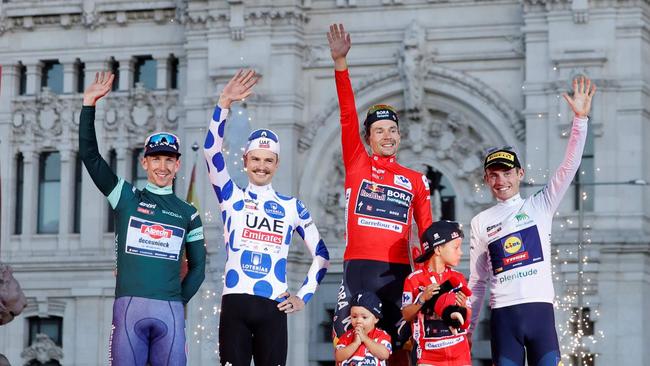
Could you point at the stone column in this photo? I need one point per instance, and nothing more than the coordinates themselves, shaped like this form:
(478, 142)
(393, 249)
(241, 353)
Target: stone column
(34, 75)
(70, 76)
(67, 204)
(30, 194)
(162, 72)
(126, 73)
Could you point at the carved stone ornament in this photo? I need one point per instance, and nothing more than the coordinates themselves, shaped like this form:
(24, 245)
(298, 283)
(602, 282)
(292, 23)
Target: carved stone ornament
(44, 118)
(42, 350)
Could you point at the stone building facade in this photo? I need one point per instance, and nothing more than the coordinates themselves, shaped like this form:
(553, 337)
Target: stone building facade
(464, 74)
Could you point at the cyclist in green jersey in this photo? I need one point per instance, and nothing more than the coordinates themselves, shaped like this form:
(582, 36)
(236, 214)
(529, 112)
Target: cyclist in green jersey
(153, 229)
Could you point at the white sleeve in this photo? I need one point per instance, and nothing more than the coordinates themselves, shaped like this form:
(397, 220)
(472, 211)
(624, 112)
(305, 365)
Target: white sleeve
(316, 247)
(479, 272)
(549, 198)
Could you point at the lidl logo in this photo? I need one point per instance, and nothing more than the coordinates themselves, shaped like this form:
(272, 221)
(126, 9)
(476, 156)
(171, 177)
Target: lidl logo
(512, 245)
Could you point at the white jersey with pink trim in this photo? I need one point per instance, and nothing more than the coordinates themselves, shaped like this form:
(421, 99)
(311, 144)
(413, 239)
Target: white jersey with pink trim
(510, 245)
(258, 227)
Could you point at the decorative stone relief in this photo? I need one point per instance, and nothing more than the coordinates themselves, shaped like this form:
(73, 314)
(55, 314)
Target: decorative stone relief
(42, 350)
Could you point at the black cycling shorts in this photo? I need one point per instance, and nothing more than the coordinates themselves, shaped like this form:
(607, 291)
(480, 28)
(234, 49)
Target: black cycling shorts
(252, 326)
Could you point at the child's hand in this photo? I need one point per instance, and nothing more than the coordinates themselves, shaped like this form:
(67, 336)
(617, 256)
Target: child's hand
(429, 291)
(359, 334)
(461, 299)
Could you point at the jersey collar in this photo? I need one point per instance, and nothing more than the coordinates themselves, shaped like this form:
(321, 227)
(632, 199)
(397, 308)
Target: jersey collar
(384, 160)
(158, 190)
(511, 200)
(259, 189)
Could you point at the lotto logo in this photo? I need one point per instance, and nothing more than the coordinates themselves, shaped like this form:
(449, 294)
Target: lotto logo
(156, 231)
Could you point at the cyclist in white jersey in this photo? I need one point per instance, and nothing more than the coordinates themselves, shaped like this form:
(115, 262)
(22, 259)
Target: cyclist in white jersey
(258, 227)
(511, 249)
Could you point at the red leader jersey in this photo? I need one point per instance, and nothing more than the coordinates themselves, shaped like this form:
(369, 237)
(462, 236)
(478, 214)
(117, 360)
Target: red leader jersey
(381, 196)
(436, 343)
(362, 356)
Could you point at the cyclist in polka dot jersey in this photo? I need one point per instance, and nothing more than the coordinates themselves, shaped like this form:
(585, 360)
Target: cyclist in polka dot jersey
(258, 227)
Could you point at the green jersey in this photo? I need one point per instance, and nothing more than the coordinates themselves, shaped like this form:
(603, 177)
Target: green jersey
(153, 228)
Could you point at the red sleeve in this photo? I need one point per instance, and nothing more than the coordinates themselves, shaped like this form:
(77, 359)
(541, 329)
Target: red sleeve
(468, 318)
(385, 340)
(410, 291)
(344, 341)
(422, 206)
(351, 141)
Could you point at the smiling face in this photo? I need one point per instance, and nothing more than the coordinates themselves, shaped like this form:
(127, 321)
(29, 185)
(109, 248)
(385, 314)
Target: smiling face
(503, 181)
(260, 166)
(161, 168)
(384, 137)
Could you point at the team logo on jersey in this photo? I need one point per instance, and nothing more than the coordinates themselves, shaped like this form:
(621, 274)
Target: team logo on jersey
(402, 181)
(274, 209)
(516, 250)
(521, 217)
(156, 231)
(407, 298)
(144, 211)
(255, 265)
(383, 202)
(425, 180)
(152, 239)
(303, 213)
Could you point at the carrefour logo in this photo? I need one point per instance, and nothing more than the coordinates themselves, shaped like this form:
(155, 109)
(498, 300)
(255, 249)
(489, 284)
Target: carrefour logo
(512, 245)
(156, 231)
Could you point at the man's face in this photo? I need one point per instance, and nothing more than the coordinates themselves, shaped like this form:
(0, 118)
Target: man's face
(260, 166)
(384, 137)
(161, 169)
(503, 181)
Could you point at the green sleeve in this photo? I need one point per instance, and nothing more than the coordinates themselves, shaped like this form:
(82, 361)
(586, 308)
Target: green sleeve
(195, 250)
(97, 167)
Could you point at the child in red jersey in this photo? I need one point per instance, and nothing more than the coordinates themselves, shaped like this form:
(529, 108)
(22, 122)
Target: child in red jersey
(435, 299)
(364, 344)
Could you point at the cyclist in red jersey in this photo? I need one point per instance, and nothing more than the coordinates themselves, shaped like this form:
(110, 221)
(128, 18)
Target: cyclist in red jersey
(382, 198)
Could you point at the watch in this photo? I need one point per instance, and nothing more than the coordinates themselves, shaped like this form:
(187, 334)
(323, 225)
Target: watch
(420, 300)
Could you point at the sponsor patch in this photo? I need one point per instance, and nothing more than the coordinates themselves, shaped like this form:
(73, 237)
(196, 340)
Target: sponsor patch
(407, 298)
(254, 264)
(144, 211)
(152, 239)
(516, 250)
(402, 181)
(443, 343)
(383, 202)
(362, 221)
(274, 209)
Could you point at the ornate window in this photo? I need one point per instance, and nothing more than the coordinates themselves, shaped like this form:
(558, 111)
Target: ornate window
(49, 182)
(52, 76)
(173, 72)
(22, 79)
(145, 72)
(18, 210)
(80, 72)
(76, 222)
(114, 66)
(45, 341)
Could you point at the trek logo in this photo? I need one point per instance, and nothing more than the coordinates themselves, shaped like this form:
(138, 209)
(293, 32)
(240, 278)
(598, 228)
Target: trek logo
(516, 250)
(402, 181)
(156, 231)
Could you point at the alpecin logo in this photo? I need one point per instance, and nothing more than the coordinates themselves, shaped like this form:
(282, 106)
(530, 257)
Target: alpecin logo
(156, 231)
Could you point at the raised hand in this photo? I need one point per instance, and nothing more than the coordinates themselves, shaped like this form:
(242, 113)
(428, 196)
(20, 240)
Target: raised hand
(99, 88)
(238, 88)
(339, 42)
(583, 91)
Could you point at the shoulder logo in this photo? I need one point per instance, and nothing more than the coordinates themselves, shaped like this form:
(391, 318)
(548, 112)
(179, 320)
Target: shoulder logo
(402, 181)
(425, 180)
